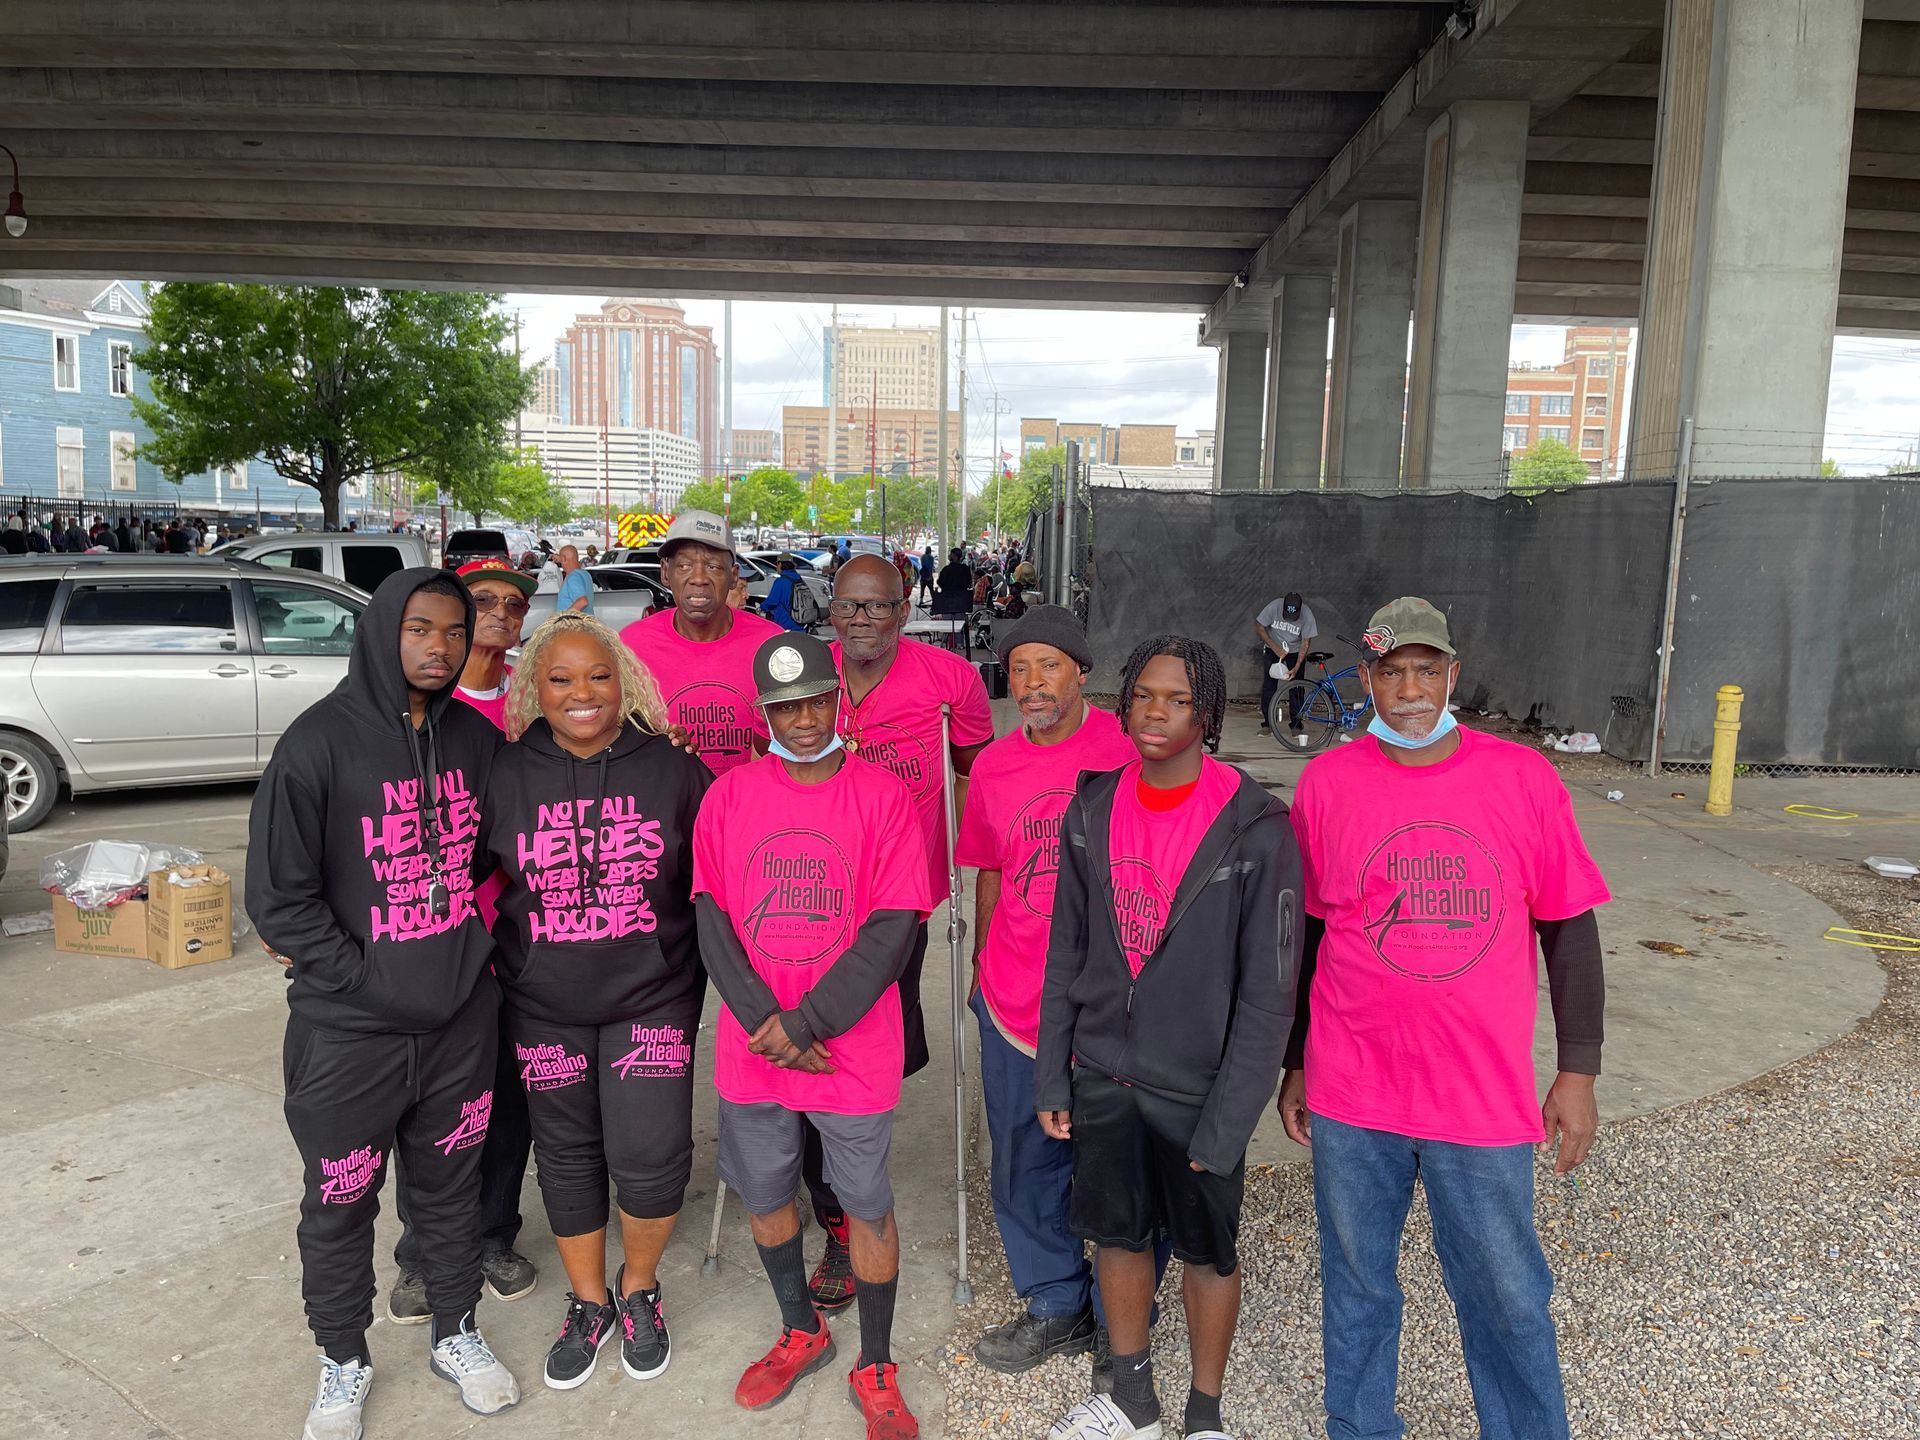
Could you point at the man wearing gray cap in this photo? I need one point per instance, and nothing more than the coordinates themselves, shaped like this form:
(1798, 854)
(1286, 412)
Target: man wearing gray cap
(701, 651)
(1431, 858)
(1016, 795)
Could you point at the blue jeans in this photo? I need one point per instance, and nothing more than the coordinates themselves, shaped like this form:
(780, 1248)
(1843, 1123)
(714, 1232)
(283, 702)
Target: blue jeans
(1032, 1185)
(1481, 1199)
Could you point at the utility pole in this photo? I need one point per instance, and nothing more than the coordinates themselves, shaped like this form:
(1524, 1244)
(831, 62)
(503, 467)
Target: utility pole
(726, 390)
(963, 425)
(517, 369)
(941, 527)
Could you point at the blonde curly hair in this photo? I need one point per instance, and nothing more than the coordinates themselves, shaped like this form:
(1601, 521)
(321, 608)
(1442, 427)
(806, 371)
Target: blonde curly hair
(640, 702)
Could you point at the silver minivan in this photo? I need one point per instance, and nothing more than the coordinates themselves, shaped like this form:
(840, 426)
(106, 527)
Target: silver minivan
(362, 558)
(125, 670)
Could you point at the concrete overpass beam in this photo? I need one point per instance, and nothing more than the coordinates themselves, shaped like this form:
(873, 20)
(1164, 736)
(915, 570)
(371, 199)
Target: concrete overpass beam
(1742, 282)
(1469, 254)
(1241, 390)
(1372, 295)
(1297, 384)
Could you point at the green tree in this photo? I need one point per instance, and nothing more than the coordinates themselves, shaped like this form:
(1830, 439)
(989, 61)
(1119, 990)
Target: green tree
(705, 495)
(527, 495)
(1028, 490)
(325, 384)
(1830, 469)
(1548, 464)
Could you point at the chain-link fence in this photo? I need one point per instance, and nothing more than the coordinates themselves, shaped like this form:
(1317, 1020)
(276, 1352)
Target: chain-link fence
(1801, 590)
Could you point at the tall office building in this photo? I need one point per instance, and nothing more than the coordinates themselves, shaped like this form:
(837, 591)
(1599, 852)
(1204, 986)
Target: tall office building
(1580, 402)
(893, 368)
(639, 365)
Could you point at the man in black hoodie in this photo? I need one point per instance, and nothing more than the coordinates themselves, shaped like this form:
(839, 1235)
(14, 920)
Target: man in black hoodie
(362, 865)
(1166, 1005)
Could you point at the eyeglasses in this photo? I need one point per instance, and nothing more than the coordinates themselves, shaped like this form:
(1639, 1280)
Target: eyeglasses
(513, 605)
(875, 609)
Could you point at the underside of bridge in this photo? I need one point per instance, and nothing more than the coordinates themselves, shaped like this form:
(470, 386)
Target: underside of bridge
(1740, 176)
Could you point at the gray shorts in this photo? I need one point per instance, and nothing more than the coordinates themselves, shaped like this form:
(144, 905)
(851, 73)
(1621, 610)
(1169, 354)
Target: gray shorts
(760, 1152)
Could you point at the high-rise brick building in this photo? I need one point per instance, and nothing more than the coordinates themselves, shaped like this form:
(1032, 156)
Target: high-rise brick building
(639, 364)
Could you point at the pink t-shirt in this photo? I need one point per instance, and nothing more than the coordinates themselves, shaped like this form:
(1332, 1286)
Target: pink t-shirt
(708, 685)
(493, 705)
(1429, 879)
(1151, 849)
(898, 726)
(1016, 798)
(798, 869)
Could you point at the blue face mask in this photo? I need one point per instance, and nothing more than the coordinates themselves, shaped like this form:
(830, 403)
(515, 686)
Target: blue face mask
(774, 747)
(1387, 735)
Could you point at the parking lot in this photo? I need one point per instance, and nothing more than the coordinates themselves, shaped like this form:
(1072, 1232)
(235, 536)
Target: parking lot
(151, 1186)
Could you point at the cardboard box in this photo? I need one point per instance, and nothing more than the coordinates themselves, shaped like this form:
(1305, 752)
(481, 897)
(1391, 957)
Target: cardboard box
(189, 924)
(118, 930)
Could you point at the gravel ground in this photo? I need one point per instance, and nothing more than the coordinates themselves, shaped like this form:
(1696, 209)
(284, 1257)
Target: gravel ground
(1747, 1265)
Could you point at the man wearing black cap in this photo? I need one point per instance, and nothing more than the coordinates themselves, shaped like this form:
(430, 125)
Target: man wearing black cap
(1017, 794)
(1287, 631)
(810, 884)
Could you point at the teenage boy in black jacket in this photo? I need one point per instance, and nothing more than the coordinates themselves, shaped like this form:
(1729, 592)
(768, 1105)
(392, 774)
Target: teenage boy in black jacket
(361, 865)
(1167, 1003)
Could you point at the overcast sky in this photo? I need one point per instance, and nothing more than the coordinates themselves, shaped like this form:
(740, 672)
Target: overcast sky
(1119, 368)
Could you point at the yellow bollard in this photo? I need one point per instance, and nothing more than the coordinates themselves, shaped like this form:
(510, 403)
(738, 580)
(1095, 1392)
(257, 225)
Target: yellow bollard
(1726, 737)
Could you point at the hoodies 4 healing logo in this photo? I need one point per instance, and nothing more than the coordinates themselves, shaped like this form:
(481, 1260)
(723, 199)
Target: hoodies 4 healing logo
(1432, 899)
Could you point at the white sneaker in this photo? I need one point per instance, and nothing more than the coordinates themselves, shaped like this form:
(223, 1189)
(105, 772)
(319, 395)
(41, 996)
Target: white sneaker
(335, 1412)
(1098, 1418)
(486, 1386)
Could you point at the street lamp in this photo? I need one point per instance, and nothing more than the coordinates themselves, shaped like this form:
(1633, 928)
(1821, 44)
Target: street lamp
(16, 207)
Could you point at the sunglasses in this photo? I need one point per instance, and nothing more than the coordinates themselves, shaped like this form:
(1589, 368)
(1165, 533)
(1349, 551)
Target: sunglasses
(513, 605)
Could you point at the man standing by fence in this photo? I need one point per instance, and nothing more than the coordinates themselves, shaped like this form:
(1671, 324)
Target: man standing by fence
(1431, 857)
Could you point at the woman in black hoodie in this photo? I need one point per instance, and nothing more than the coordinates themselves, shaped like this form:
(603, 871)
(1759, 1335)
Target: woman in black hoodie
(590, 819)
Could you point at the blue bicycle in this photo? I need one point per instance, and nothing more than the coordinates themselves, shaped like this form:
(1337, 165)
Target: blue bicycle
(1308, 713)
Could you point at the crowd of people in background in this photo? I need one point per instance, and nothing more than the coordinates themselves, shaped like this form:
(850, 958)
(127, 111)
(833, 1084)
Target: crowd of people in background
(61, 533)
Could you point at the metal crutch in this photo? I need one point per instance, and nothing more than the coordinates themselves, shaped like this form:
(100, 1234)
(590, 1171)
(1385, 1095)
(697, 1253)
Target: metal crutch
(962, 1284)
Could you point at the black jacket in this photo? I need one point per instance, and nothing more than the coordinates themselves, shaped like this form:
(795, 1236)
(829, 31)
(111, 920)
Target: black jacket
(340, 850)
(588, 848)
(1207, 1019)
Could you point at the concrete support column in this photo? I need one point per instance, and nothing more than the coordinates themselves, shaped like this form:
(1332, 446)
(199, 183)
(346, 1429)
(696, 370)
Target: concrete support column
(1296, 383)
(1744, 243)
(1469, 254)
(1241, 390)
(1372, 294)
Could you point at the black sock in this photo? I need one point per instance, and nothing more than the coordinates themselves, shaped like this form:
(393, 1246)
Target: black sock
(347, 1349)
(875, 1299)
(1203, 1412)
(786, 1267)
(1133, 1387)
(450, 1322)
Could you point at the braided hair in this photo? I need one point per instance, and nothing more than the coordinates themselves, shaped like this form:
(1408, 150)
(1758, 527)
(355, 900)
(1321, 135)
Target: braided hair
(1206, 678)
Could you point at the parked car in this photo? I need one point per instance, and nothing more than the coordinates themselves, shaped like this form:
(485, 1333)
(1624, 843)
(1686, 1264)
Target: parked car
(621, 595)
(466, 546)
(362, 559)
(124, 670)
(804, 569)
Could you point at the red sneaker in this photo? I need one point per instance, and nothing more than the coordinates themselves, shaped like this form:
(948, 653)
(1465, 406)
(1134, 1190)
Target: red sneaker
(876, 1390)
(832, 1282)
(794, 1356)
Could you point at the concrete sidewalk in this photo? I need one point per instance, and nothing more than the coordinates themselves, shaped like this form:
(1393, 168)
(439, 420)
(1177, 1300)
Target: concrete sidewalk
(150, 1185)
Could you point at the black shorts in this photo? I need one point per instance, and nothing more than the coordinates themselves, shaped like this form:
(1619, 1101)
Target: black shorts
(1132, 1178)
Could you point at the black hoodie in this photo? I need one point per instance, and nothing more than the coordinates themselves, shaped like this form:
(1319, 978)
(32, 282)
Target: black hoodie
(596, 924)
(342, 843)
(1207, 1018)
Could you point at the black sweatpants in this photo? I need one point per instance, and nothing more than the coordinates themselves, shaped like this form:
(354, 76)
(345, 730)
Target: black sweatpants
(352, 1102)
(1270, 685)
(503, 1166)
(813, 1159)
(610, 1100)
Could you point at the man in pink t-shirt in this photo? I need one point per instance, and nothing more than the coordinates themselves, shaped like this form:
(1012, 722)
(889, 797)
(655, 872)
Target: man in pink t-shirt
(892, 693)
(701, 650)
(809, 885)
(1431, 859)
(1017, 795)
